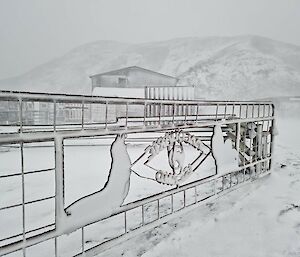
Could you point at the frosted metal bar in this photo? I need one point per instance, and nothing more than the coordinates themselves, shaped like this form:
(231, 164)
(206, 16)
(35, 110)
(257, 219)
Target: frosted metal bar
(158, 214)
(82, 240)
(23, 201)
(225, 111)
(82, 115)
(172, 203)
(54, 115)
(217, 109)
(125, 221)
(126, 121)
(106, 114)
(21, 115)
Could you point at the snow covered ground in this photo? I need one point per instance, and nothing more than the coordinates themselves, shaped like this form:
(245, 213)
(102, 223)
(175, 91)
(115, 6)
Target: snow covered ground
(257, 219)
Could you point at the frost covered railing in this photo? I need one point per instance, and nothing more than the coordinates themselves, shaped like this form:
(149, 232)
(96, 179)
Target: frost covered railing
(32, 123)
(23, 112)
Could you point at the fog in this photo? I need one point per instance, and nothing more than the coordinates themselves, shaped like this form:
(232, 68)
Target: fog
(33, 31)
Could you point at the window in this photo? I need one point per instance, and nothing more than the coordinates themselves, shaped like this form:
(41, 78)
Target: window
(122, 82)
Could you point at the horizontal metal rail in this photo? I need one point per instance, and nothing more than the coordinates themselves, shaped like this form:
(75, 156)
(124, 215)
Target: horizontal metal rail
(31, 96)
(6, 138)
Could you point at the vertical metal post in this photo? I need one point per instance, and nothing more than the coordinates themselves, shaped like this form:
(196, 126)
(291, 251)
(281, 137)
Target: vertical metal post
(126, 121)
(159, 93)
(21, 114)
(82, 115)
(55, 247)
(158, 214)
(159, 114)
(185, 113)
(145, 113)
(82, 240)
(197, 113)
(259, 145)
(125, 222)
(172, 203)
(23, 200)
(173, 114)
(146, 92)
(217, 109)
(240, 114)
(238, 137)
(196, 197)
(54, 115)
(106, 114)
(225, 111)
(59, 182)
(244, 148)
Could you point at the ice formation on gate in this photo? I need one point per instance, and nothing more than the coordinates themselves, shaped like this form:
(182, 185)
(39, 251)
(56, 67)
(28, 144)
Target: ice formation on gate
(225, 155)
(103, 203)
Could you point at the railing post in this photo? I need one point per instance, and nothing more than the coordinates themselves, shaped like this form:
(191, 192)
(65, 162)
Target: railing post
(238, 137)
(225, 111)
(158, 214)
(126, 121)
(172, 203)
(21, 115)
(59, 181)
(159, 114)
(23, 200)
(82, 240)
(185, 113)
(125, 222)
(217, 110)
(54, 115)
(173, 116)
(106, 113)
(145, 113)
(82, 115)
(197, 113)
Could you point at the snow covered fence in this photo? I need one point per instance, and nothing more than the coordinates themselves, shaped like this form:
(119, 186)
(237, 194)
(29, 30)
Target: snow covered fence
(236, 138)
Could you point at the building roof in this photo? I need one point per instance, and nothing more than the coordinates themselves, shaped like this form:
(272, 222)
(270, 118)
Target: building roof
(127, 69)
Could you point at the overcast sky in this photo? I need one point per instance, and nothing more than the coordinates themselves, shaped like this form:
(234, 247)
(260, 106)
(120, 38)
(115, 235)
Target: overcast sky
(35, 31)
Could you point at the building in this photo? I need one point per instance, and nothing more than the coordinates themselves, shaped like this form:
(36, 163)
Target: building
(138, 82)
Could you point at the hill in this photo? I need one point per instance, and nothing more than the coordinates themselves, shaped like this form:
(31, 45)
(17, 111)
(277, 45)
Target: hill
(242, 67)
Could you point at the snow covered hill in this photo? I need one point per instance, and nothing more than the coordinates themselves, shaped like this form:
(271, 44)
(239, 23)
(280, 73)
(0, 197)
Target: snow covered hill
(220, 67)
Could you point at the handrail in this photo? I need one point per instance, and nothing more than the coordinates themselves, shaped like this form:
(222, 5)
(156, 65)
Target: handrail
(8, 95)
